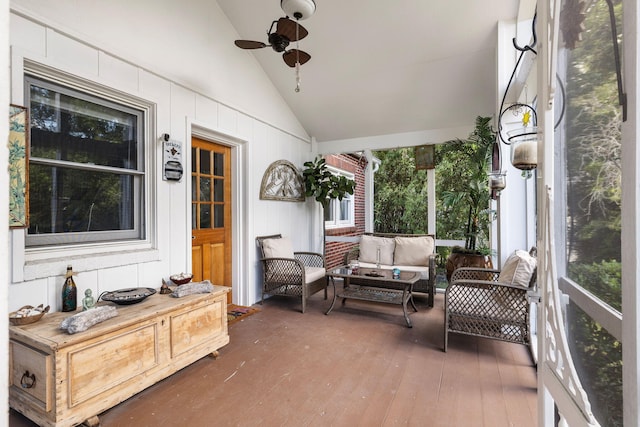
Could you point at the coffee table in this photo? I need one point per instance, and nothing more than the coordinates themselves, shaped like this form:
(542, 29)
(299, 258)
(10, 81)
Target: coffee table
(377, 285)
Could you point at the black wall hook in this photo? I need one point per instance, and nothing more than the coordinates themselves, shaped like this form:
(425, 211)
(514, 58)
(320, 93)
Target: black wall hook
(535, 38)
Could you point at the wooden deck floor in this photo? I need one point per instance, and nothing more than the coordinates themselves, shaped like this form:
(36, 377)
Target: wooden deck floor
(358, 366)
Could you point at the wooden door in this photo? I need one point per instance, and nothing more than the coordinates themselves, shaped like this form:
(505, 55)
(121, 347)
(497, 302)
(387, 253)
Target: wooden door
(211, 212)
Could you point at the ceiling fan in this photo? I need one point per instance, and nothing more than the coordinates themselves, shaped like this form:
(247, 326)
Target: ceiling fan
(286, 31)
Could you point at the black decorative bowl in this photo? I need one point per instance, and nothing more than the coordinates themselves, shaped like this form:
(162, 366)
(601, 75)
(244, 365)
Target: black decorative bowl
(181, 279)
(127, 296)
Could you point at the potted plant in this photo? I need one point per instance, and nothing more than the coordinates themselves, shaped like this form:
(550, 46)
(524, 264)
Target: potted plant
(324, 186)
(474, 155)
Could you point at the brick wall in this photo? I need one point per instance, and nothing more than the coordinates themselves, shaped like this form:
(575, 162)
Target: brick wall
(334, 251)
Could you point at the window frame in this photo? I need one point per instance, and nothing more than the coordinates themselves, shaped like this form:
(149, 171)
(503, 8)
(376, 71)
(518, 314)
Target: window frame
(335, 207)
(41, 260)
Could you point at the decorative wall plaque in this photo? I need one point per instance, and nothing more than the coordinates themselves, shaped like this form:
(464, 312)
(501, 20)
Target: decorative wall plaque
(18, 167)
(282, 181)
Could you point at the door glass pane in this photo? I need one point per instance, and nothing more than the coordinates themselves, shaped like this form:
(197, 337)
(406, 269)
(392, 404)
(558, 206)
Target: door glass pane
(593, 173)
(194, 218)
(194, 188)
(219, 216)
(205, 162)
(218, 160)
(597, 357)
(590, 135)
(194, 158)
(218, 192)
(205, 189)
(205, 216)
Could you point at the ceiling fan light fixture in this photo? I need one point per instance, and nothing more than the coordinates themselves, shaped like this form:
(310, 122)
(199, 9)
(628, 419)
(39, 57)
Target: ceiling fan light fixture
(298, 9)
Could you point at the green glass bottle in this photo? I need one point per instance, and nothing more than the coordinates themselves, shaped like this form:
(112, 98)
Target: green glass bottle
(69, 292)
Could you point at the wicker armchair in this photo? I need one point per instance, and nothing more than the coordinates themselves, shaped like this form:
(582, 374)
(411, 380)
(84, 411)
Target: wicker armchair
(297, 274)
(477, 303)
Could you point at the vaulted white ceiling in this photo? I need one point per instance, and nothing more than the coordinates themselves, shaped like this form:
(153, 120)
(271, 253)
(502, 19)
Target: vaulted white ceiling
(384, 67)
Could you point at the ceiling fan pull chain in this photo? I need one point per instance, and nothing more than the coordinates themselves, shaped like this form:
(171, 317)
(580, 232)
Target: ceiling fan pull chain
(297, 57)
(297, 77)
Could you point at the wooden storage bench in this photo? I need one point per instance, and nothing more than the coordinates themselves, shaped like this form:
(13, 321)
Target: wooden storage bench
(57, 379)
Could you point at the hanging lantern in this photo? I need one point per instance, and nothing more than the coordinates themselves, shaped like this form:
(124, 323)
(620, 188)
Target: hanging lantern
(524, 148)
(523, 140)
(497, 181)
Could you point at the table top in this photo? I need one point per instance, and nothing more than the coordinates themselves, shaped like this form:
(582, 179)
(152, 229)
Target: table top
(47, 331)
(379, 274)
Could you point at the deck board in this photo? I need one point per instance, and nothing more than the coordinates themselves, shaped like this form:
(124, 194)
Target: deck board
(359, 365)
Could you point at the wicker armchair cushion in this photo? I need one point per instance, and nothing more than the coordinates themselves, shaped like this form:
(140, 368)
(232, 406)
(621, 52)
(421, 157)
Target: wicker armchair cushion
(278, 248)
(314, 273)
(413, 250)
(369, 249)
(311, 274)
(518, 269)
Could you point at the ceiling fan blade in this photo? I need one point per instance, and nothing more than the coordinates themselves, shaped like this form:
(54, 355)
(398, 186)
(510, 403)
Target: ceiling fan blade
(287, 28)
(249, 44)
(291, 56)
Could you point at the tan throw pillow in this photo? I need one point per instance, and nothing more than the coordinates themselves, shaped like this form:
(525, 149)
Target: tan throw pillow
(413, 250)
(518, 269)
(277, 248)
(369, 249)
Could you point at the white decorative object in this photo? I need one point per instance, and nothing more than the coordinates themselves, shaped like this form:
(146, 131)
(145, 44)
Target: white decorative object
(282, 181)
(171, 159)
(298, 9)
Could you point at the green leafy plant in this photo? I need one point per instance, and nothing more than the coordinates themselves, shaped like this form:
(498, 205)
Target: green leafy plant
(471, 188)
(324, 186)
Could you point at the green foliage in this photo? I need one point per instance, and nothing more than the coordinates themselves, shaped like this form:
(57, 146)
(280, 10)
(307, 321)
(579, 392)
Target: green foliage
(594, 171)
(603, 279)
(322, 185)
(462, 193)
(462, 168)
(400, 200)
(594, 350)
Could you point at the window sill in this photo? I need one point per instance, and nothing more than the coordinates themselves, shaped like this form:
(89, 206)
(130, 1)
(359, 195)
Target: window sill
(340, 230)
(43, 268)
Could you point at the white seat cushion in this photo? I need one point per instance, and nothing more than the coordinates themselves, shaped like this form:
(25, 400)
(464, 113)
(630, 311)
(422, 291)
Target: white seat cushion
(312, 274)
(277, 248)
(373, 265)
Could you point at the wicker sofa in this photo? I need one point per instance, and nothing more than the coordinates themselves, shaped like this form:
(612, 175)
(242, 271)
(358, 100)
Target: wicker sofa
(492, 303)
(408, 252)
